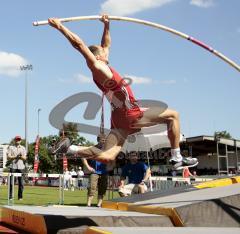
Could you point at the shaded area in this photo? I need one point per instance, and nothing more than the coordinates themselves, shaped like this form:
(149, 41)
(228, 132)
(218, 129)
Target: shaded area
(221, 212)
(5, 228)
(209, 207)
(232, 210)
(55, 223)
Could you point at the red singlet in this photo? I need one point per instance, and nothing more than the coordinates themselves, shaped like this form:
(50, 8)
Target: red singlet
(125, 109)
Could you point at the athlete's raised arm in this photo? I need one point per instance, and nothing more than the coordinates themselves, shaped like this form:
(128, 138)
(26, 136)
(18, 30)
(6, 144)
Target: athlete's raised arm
(75, 40)
(106, 37)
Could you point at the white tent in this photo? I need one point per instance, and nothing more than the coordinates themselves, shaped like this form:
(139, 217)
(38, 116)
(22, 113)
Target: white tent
(151, 138)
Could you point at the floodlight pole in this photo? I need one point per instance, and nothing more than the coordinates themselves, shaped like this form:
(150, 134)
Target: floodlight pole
(38, 121)
(26, 68)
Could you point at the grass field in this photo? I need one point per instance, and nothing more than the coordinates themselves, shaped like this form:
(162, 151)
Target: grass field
(41, 196)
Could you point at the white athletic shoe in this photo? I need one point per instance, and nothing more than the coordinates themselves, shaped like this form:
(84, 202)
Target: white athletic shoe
(62, 146)
(186, 162)
(73, 149)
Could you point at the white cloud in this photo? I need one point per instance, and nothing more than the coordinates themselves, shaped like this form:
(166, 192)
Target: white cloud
(202, 3)
(10, 64)
(138, 80)
(128, 7)
(78, 78)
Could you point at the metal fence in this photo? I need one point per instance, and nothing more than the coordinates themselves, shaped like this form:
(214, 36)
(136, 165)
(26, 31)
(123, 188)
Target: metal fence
(161, 183)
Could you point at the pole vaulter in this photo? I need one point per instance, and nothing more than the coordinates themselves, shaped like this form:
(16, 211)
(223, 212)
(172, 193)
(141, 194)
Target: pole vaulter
(151, 24)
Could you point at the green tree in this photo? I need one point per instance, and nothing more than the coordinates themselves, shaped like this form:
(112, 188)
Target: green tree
(71, 131)
(222, 134)
(48, 163)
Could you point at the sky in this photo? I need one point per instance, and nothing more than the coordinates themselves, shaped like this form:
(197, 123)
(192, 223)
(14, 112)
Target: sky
(163, 67)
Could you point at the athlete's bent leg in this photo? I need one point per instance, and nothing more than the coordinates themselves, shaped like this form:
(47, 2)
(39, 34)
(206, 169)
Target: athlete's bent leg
(171, 117)
(173, 125)
(155, 115)
(112, 147)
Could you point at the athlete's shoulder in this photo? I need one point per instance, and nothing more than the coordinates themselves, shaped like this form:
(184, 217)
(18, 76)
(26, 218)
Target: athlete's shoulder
(101, 68)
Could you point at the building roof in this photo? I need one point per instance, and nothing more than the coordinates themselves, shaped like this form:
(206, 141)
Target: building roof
(207, 144)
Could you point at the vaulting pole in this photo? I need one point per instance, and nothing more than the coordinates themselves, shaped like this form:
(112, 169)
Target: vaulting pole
(151, 24)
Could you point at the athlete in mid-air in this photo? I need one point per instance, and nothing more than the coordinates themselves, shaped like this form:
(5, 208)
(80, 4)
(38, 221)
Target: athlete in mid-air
(126, 116)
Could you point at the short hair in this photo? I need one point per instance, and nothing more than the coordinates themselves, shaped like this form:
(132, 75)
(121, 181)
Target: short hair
(94, 49)
(101, 136)
(133, 153)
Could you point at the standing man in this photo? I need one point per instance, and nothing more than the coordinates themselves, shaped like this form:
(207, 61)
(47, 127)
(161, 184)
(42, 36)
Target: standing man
(73, 177)
(126, 117)
(80, 175)
(17, 154)
(66, 179)
(98, 179)
(137, 174)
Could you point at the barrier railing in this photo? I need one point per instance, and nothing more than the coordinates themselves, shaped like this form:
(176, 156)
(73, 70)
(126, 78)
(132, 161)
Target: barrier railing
(162, 183)
(11, 182)
(58, 180)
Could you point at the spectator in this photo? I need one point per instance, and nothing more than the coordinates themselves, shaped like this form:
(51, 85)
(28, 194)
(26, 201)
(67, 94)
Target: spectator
(137, 173)
(98, 179)
(66, 179)
(174, 173)
(73, 177)
(4, 181)
(80, 175)
(17, 155)
(186, 174)
(194, 174)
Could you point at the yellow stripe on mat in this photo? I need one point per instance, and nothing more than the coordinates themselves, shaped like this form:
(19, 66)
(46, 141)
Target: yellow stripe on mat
(94, 230)
(170, 212)
(123, 206)
(219, 182)
(115, 205)
(110, 205)
(24, 221)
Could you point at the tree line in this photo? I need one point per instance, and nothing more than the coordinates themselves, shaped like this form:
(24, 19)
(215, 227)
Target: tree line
(47, 161)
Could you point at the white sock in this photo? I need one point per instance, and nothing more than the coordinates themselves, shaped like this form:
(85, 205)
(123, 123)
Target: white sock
(176, 155)
(73, 149)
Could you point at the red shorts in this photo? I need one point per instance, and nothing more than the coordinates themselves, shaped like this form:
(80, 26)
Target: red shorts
(124, 119)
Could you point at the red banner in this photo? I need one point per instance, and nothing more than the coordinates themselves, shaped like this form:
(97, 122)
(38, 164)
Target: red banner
(65, 163)
(36, 156)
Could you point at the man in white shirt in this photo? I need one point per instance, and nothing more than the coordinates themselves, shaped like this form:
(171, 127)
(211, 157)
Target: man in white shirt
(73, 177)
(80, 175)
(17, 155)
(66, 178)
